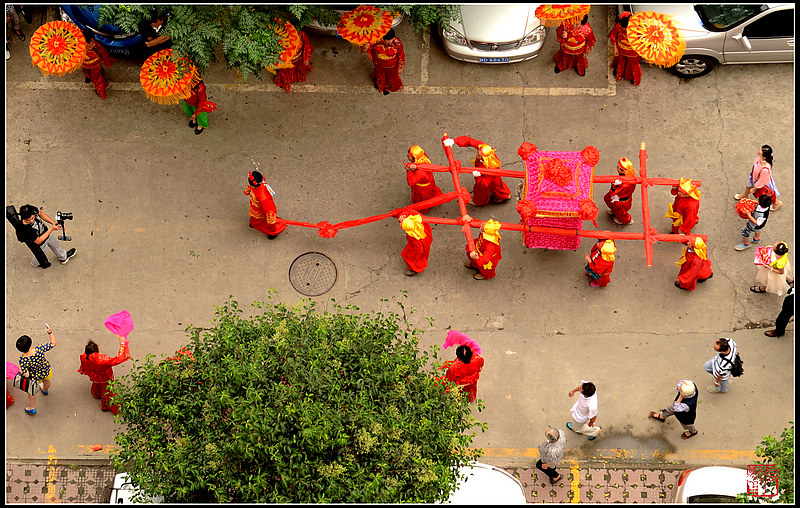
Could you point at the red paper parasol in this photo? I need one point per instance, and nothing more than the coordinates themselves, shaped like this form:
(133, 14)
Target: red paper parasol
(556, 14)
(57, 47)
(167, 79)
(656, 38)
(365, 24)
(290, 43)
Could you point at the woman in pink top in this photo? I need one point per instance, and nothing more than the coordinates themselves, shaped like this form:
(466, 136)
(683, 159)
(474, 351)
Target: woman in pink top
(761, 176)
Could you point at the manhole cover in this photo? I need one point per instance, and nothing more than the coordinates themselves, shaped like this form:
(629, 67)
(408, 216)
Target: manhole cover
(312, 274)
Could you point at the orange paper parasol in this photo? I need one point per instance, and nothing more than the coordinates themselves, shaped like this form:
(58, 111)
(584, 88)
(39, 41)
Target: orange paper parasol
(365, 24)
(290, 43)
(57, 47)
(167, 79)
(556, 14)
(656, 38)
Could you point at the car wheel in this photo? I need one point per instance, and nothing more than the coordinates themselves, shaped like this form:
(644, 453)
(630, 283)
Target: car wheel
(693, 66)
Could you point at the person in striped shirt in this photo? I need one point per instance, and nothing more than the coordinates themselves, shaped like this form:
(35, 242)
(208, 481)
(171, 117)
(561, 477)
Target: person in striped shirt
(720, 366)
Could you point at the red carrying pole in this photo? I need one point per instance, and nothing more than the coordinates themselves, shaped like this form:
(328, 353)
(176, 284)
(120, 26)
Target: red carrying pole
(648, 235)
(454, 168)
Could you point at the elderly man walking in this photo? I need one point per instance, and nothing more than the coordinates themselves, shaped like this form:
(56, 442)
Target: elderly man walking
(684, 408)
(584, 411)
(551, 453)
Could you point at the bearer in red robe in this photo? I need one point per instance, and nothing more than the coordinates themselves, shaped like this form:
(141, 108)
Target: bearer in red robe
(684, 210)
(695, 265)
(626, 59)
(487, 188)
(600, 263)
(92, 66)
(298, 73)
(465, 371)
(575, 41)
(389, 58)
(487, 253)
(422, 183)
(99, 369)
(618, 198)
(263, 213)
(418, 237)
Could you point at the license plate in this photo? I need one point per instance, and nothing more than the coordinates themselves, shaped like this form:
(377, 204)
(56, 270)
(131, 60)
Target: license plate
(493, 59)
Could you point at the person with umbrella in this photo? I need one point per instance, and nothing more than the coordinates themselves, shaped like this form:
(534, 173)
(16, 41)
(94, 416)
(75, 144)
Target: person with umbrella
(197, 106)
(298, 72)
(92, 66)
(575, 41)
(626, 59)
(389, 58)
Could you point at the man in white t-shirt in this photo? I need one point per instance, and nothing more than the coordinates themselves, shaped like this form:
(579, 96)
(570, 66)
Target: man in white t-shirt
(584, 411)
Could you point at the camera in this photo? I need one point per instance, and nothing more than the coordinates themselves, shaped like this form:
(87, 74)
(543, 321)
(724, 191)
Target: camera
(60, 218)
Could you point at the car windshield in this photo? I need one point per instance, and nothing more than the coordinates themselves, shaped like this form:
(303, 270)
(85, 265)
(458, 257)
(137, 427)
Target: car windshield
(711, 498)
(722, 17)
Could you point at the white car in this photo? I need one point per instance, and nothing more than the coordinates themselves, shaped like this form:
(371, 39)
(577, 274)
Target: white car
(714, 484)
(495, 34)
(123, 491)
(486, 484)
(728, 34)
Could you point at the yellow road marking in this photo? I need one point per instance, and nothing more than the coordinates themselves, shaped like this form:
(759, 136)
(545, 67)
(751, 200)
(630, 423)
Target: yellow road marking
(575, 482)
(52, 460)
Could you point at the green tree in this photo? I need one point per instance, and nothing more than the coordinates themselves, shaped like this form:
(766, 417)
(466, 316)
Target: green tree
(779, 452)
(295, 405)
(249, 44)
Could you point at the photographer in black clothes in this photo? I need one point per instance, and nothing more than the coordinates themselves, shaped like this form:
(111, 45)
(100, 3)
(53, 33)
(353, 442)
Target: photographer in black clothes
(34, 230)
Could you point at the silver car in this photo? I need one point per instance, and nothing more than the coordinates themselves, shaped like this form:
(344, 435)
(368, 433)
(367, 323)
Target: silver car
(729, 34)
(495, 34)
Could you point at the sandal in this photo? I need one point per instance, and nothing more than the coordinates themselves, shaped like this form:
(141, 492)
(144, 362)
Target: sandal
(687, 434)
(758, 289)
(657, 416)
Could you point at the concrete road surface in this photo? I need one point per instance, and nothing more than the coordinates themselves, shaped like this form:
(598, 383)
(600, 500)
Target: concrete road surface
(161, 230)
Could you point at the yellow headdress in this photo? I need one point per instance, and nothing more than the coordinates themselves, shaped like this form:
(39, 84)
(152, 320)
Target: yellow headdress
(490, 160)
(608, 249)
(687, 187)
(700, 248)
(491, 231)
(413, 226)
(419, 155)
(627, 165)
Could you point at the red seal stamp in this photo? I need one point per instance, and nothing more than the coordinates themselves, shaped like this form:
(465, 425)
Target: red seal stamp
(762, 480)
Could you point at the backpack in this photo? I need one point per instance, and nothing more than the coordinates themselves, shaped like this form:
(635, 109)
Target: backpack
(737, 369)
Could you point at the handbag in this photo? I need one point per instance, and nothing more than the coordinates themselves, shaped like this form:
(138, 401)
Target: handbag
(26, 384)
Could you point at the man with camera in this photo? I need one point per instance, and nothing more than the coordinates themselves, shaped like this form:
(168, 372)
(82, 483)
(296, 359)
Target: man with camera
(34, 230)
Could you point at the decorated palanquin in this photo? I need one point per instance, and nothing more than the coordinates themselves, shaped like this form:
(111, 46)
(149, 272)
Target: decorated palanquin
(558, 191)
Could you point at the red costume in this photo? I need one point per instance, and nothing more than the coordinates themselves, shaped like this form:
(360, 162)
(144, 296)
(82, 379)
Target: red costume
(99, 369)
(199, 99)
(389, 59)
(422, 183)
(419, 237)
(626, 60)
(695, 266)
(92, 66)
(684, 210)
(600, 263)
(298, 73)
(574, 45)
(465, 374)
(623, 192)
(263, 213)
(487, 188)
(487, 245)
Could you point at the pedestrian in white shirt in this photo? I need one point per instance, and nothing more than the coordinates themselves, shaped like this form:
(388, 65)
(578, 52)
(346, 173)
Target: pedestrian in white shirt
(584, 411)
